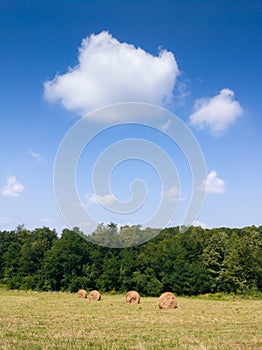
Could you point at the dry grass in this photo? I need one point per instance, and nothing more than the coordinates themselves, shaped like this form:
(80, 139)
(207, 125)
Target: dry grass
(49, 321)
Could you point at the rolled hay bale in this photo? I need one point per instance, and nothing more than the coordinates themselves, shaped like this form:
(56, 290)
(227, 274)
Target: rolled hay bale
(94, 295)
(132, 297)
(82, 293)
(167, 300)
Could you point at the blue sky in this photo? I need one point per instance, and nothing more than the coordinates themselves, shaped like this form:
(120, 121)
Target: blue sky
(201, 60)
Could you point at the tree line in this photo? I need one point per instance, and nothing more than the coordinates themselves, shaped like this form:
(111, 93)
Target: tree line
(187, 262)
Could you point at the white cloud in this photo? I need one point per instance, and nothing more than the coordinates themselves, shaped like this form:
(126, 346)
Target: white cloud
(106, 199)
(216, 113)
(172, 194)
(37, 156)
(201, 224)
(182, 91)
(166, 125)
(112, 72)
(84, 225)
(46, 221)
(212, 184)
(13, 188)
(4, 220)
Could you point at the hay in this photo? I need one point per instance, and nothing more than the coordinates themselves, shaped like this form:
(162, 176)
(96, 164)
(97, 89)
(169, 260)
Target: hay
(167, 301)
(82, 293)
(132, 297)
(94, 295)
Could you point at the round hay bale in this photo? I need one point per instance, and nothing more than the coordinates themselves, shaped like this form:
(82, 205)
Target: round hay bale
(94, 295)
(132, 297)
(82, 293)
(167, 300)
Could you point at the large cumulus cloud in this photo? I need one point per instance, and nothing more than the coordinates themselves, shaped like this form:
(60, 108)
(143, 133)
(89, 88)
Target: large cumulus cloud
(112, 72)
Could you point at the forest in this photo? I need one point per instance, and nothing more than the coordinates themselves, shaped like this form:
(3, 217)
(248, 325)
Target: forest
(188, 262)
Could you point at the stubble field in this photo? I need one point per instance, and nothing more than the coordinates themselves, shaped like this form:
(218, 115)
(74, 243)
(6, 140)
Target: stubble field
(32, 321)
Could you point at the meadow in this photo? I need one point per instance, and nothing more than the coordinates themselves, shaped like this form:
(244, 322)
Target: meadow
(56, 320)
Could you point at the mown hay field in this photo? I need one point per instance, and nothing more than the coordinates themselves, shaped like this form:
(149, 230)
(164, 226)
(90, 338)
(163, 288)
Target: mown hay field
(32, 320)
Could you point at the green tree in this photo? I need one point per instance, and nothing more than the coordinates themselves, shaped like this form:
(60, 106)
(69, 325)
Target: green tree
(65, 261)
(35, 247)
(11, 269)
(109, 279)
(147, 283)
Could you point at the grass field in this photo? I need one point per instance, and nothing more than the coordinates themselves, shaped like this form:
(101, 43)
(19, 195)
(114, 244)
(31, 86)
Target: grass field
(31, 320)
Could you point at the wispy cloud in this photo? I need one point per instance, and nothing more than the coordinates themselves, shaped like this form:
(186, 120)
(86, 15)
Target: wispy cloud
(112, 72)
(181, 92)
(216, 113)
(13, 188)
(213, 184)
(106, 199)
(172, 194)
(201, 224)
(37, 156)
(4, 220)
(46, 221)
(166, 125)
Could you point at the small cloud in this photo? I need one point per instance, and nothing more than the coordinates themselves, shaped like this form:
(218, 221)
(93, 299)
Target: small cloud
(200, 80)
(46, 221)
(36, 156)
(212, 184)
(77, 205)
(106, 199)
(4, 220)
(182, 91)
(216, 113)
(199, 223)
(84, 224)
(13, 188)
(172, 194)
(166, 125)
(109, 72)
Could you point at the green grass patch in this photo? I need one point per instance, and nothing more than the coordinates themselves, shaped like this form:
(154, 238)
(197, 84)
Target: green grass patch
(32, 320)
